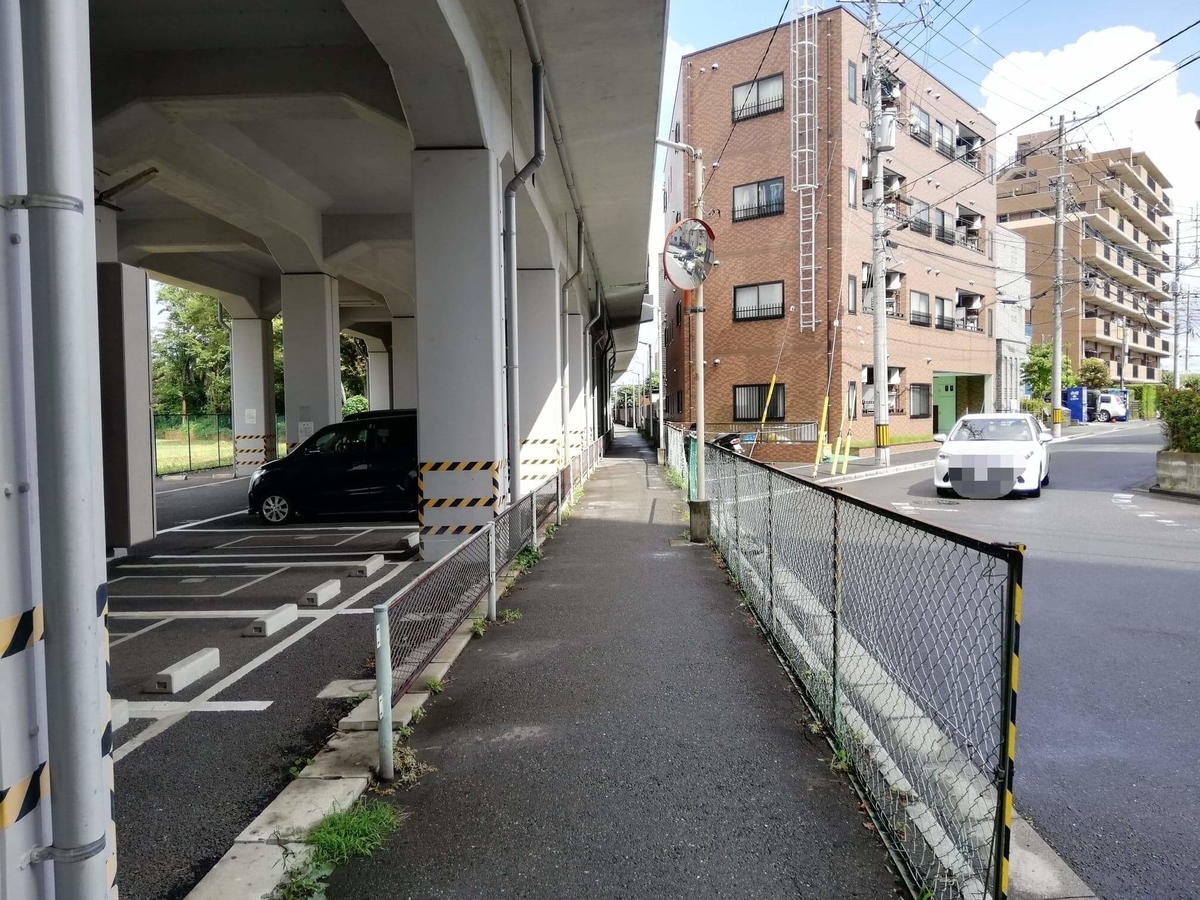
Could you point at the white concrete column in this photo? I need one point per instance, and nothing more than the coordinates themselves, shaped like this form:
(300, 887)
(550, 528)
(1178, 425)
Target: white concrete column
(404, 362)
(541, 402)
(575, 380)
(252, 373)
(460, 368)
(127, 430)
(311, 355)
(379, 379)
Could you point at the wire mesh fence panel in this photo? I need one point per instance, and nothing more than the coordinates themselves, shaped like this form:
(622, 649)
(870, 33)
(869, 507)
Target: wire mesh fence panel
(424, 615)
(902, 635)
(690, 450)
(676, 454)
(921, 662)
(544, 499)
(514, 531)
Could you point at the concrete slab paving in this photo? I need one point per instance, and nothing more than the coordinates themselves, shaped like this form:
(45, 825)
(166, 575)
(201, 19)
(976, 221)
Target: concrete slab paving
(346, 756)
(302, 806)
(1037, 872)
(249, 871)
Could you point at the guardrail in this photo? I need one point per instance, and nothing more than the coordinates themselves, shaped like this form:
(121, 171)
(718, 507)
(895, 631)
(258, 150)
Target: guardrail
(904, 637)
(413, 624)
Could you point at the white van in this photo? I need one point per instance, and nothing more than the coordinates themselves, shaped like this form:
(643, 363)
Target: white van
(1110, 407)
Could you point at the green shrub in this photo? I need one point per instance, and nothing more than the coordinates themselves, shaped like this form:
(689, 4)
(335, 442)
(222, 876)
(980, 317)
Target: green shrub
(1181, 419)
(1033, 407)
(355, 403)
(1147, 396)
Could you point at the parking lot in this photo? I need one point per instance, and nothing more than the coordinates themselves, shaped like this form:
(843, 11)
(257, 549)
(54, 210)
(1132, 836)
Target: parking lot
(217, 717)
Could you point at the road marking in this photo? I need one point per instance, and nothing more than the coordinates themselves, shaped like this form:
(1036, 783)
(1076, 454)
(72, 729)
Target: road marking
(132, 635)
(1147, 515)
(195, 487)
(188, 525)
(331, 564)
(1122, 496)
(157, 709)
(355, 555)
(163, 724)
(302, 537)
(1167, 522)
(288, 529)
(207, 613)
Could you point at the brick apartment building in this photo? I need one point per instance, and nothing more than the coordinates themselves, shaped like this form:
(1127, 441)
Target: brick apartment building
(941, 284)
(1117, 250)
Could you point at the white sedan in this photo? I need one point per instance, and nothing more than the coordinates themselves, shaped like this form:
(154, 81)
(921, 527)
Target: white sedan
(988, 456)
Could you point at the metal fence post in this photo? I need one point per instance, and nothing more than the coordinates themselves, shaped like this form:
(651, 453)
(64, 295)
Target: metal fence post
(835, 704)
(770, 554)
(737, 534)
(383, 692)
(187, 428)
(491, 610)
(1008, 725)
(533, 510)
(558, 505)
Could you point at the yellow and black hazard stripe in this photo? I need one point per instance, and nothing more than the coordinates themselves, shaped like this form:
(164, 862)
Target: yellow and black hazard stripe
(106, 746)
(553, 461)
(882, 436)
(457, 502)
(21, 797)
(432, 530)
(544, 441)
(420, 499)
(453, 466)
(20, 632)
(1013, 679)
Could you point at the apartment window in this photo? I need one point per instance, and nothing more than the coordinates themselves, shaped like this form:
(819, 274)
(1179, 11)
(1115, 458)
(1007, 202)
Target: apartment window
(919, 401)
(852, 400)
(852, 295)
(758, 200)
(920, 217)
(945, 226)
(918, 126)
(944, 313)
(757, 98)
(677, 132)
(852, 81)
(678, 402)
(758, 301)
(749, 400)
(991, 168)
(678, 313)
(945, 139)
(852, 188)
(991, 322)
(918, 308)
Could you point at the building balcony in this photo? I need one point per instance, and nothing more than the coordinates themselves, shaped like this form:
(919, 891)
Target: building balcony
(947, 235)
(1130, 205)
(1114, 298)
(1143, 182)
(1102, 331)
(1148, 343)
(757, 211)
(1108, 222)
(1114, 262)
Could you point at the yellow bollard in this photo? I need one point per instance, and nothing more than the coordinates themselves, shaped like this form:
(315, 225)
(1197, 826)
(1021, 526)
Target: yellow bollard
(821, 435)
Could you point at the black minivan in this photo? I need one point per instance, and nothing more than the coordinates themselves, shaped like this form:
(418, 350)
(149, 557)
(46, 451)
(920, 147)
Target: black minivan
(366, 464)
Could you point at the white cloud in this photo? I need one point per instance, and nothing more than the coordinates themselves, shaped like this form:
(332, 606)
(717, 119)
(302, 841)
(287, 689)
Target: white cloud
(1159, 121)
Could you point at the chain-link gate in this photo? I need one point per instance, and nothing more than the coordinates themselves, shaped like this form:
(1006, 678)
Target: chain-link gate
(905, 637)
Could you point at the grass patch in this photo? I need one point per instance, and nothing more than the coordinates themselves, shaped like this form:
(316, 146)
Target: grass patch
(528, 558)
(433, 684)
(675, 479)
(510, 614)
(341, 837)
(478, 626)
(896, 440)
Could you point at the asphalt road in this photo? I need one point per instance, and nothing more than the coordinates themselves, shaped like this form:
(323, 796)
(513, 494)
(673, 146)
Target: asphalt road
(182, 502)
(1107, 768)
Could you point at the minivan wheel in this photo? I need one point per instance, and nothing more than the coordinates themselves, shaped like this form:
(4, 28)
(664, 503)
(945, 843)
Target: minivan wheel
(276, 509)
(1104, 415)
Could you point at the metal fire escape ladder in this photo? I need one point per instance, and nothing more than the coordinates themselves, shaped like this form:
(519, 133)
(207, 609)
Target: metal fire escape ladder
(805, 167)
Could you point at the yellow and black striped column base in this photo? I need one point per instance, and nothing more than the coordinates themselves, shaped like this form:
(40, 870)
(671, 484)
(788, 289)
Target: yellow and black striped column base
(1015, 587)
(883, 436)
(448, 489)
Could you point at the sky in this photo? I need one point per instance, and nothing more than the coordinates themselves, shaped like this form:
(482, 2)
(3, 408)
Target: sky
(1015, 60)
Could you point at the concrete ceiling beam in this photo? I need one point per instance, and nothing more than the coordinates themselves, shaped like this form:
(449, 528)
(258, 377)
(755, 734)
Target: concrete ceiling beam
(239, 292)
(192, 235)
(348, 237)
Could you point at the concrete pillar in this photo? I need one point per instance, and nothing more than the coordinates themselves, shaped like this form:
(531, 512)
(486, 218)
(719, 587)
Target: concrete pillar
(575, 380)
(541, 403)
(127, 430)
(460, 369)
(311, 355)
(252, 371)
(106, 235)
(404, 362)
(379, 379)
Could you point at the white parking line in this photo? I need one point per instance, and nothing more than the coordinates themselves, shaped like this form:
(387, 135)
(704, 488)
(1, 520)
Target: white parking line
(187, 525)
(196, 487)
(352, 554)
(127, 637)
(157, 709)
(209, 613)
(163, 724)
(331, 564)
(288, 529)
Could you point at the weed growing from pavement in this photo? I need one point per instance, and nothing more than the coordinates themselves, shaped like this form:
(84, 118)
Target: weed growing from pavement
(418, 714)
(409, 769)
(551, 530)
(510, 614)
(478, 626)
(816, 727)
(433, 684)
(404, 732)
(352, 702)
(528, 558)
(339, 838)
(675, 479)
(840, 761)
(298, 766)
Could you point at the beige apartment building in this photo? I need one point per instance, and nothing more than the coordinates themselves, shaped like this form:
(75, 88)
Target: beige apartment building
(1117, 252)
(765, 313)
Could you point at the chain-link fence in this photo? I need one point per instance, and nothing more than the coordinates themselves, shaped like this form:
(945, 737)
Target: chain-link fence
(415, 622)
(904, 636)
(188, 442)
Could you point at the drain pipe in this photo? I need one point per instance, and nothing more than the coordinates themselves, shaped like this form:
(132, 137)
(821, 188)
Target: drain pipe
(589, 359)
(66, 368)
(510, 283)
(564, 345)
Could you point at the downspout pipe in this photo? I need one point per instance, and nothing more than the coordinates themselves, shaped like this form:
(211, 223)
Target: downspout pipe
(565, 345)
(589, 359)
(510, 282)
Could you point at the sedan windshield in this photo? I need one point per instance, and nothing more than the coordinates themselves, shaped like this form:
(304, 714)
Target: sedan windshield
(997, 429)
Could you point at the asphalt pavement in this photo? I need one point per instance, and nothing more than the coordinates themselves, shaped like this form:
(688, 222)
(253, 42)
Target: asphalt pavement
(1107, 768)
(631, 736)
(183, 502)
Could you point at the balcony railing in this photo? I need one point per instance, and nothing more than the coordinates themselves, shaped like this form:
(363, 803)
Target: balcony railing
(946, 323)
(920, 226)
(946, 235)
(924, 135)
(920, 318)
(969, 324)
(945, 148)
(761, 108)
(971, 241)
(757, 211)
(750, 313)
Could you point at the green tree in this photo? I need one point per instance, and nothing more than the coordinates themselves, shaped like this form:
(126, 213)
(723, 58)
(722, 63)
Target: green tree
(354, 365)
(190, 355)
(1038, 370)
(355, 403)
(1093, 373)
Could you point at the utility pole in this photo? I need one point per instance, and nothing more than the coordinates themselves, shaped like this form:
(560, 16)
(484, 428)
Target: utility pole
(1175, 305)
(1124, 347)
(662, 377)
(1060, 189)
(883, 451)
(698, 311)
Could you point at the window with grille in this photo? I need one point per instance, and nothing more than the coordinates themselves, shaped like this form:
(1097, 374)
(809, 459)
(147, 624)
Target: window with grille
(920, 217)
(758, 301)
(750, 399)
(758, 199)
(919, 127)
(920, 401)
(678, 402)
(852, 81)
(918, 308)
(757, 98)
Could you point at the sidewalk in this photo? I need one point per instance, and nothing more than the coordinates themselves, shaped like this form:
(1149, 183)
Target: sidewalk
(630, 736)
